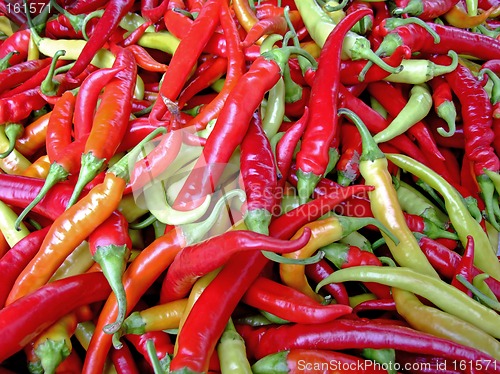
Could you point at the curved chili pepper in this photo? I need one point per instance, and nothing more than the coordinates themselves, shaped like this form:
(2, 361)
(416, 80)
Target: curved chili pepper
(19, 73)
(144, 60)
(19, 106)
(113, 13)
(419, 40)
(110, 246)
(319, 271)
(464, 268)
(378, 304)
(75, 224)
(313, 156)
(426, 10)
(476, 109)
(285, 302)
(373, 167)
(263, 74)
(285, 149)
(459, 215)
(53, 301)
(267, 26)
(457, 17)
(124, 361)
(108, 128)
(185, 57)
(345, 334)
(216, 69)
(236, 67)
(286, 224)
(345, 256)
(17, 42)
(161, 341)
(428, 228)
(86, 99)
(258, 174)
(441, 294)
(183, 272)
(140, 275)
(16, 259)
(33, 137)
(296, 360)
(443, 324)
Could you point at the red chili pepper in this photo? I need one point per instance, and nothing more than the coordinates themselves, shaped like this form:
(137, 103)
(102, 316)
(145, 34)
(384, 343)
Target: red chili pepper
(267, 26)
(215, 68)
(21, 322)
(113, 13)
(428, 228)
(285, 149)
(17, 42)
(60, 125)
(493, 65)
(87, 97)
(314, 154)
(16, 259)
(443, 104)
(319, 271)
(215, 252)
(465, 267)
(61, 28)
(161, 340)
(346, 256)
(85, 6)
(18, 107)
(225, 137)
(445, 261)
(292, 305)
(286, 224)
(108, 128)
(426, 10)
(185, 58)
(343, 334)
(457, 140)
(352, 72)
(258, 176)
(378, 304)
(123, 360)
(426, 364)
(145, 61)
(19, 73)
(477, 121)
(236, 67)
(451, 161)
(419, 39)
(19, 191)
(348, 163)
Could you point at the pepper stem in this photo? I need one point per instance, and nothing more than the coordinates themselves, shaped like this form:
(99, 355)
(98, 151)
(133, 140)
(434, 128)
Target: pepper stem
(414, 7)
(488, 193)
(4, 61)
(55, 175)
(12, 131)
(91, 166)
(336, 253)
(443, 69)
(329, 8)
(495, 92)
(448, 113)
(75, 20)
(282, 55)
(112, 259)
(51, 353)
(361, 50)
(194, 232)
(392, 23)
(258, 220)
(371, 151)
(49, 86)
(294, 261)
(484, 299)
(306, 183)
(95, 14)
(133, 324)
(153, 357)
(273, 363)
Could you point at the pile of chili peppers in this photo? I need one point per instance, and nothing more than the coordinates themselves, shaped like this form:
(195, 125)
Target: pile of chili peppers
(270, 186)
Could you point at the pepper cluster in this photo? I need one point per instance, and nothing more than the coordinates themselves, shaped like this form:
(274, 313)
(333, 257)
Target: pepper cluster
(268, 186)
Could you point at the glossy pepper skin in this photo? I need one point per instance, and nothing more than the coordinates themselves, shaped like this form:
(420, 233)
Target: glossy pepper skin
(313, 156)
(289, 304)
(22, 322)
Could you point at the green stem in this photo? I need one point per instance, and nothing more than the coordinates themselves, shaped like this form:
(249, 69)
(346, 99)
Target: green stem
(12, 131)
(4, 62)
(143, 224)
(49, 86)
(293, 261)
(392, 23)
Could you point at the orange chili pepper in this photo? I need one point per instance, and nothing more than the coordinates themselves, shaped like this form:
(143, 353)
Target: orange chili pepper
(458, 17)
(33, 137)
(39, 168)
